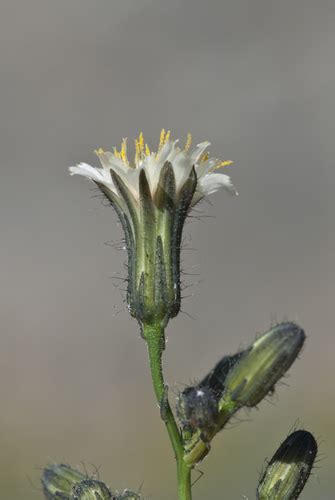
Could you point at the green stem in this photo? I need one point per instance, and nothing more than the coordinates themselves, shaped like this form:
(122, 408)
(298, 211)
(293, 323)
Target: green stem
(184, 481)
(154, 336)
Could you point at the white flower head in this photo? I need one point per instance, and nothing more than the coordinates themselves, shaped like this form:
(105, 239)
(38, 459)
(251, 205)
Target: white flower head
(152, 197)
(183, 160)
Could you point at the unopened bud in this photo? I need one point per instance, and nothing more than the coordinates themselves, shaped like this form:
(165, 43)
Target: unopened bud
(62, 482)
(58, 481)
(91, 489)
(215, 379)
(261, 366)
(197, 408)
(127, 495)
(289, 468)
(198, 405)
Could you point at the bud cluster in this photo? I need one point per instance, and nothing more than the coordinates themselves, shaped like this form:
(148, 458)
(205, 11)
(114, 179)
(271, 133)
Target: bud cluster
(240, 380)
(62, 482)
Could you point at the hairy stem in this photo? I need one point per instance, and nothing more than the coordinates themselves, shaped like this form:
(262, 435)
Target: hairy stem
(154, 336)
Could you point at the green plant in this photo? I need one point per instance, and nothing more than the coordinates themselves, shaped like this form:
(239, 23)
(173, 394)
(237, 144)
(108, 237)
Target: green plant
(152, 198)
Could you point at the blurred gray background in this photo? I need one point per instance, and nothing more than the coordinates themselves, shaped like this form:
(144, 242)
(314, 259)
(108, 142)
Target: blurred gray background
(254, 77)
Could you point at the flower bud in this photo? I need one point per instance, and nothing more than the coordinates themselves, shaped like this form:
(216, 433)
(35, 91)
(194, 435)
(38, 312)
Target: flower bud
(197, 408)
(263, 364)
(215, 379)
(91, 489)
(58, 481)
(289, 468)
(126, 495)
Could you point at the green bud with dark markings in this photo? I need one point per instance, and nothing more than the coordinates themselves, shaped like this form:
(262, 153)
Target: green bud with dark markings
(126, 495)
(91, 489)
(262, 365)
(58, 481)
(287, 472)
(62, 482)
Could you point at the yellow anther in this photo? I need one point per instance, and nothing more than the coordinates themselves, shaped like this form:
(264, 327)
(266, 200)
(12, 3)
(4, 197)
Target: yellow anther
(123, 152)
(99, 151)
(147, 150)
(141, 142)
(161, 140)
(221, 165)
(224, 164)
(139, 148)
(188, 142)
(204, 157)
(167, 137)
(116, 153)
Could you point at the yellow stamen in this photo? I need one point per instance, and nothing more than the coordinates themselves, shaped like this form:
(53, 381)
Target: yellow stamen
(147, 150)
(167, 137)
(117, 154)
(188, 142)
(161, 140)
(137, 152)
(139, 149)
(141, 142)
(204, 157)
(223, 164)
(99, 151)
(123, 152)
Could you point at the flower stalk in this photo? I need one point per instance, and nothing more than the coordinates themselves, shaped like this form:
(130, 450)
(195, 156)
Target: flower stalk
(154, 336)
